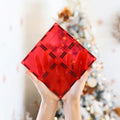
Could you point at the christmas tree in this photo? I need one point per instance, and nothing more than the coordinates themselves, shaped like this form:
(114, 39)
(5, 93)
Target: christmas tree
(97, 101)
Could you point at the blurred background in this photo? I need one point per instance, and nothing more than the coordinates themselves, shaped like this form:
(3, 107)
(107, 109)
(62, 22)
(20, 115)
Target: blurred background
(23, 23)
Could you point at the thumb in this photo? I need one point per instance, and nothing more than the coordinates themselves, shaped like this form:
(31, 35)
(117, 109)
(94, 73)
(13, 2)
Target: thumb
(32, 76)
(85, 75)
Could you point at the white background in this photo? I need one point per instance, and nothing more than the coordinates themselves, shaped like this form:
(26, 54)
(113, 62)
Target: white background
(22, 24)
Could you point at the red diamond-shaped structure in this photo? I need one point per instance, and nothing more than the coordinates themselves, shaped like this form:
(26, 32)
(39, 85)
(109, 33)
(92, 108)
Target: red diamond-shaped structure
(58, 60)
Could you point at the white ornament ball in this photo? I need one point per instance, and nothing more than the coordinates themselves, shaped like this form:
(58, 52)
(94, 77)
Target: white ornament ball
(107, 117)
(97, 107)
(92, 82)
(100, 87)
(85, 114)
(112, 118)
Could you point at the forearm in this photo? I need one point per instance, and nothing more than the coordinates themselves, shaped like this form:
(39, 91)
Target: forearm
(47, 110)
(72, 110)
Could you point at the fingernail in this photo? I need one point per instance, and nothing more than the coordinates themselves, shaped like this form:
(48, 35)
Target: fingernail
(90, 69)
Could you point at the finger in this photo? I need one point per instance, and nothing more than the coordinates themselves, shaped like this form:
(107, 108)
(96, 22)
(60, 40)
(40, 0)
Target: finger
(82, 81)
(32, 76)
(77, 62)
(45, 62)
(38, 63)
(69, 60)
(36, 82)
(84, 59)
(85, 75)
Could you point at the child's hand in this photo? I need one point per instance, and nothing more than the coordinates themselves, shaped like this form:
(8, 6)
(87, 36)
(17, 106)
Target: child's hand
(71, 99)
(49, 102)
(45, 93)
(77, 88)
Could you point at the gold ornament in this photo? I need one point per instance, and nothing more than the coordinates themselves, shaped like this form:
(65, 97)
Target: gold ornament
(87, 89)
(117, 111)
(103, 118)
(65, 14)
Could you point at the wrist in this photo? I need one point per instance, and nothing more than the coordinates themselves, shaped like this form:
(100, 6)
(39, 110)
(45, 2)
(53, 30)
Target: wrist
(47, 109)
(72, 109)
(71, 99)
(50, 100)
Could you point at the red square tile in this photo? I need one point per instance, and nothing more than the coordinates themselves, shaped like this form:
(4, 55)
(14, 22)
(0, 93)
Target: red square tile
(58, 60)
